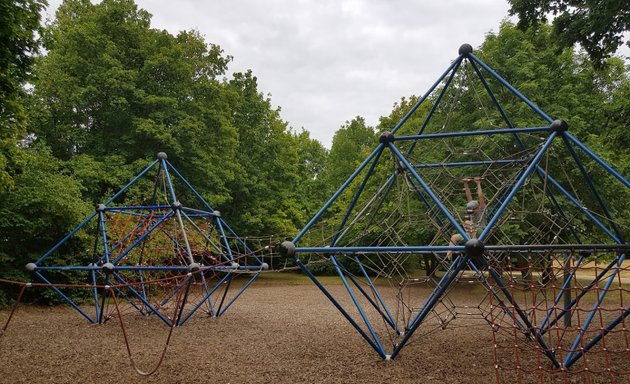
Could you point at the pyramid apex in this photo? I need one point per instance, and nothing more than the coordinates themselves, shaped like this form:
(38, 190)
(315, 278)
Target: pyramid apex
(162, 155)
(465, 49)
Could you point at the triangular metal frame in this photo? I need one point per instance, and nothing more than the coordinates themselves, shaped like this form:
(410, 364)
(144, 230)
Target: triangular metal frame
(472, 254)
(105, 270)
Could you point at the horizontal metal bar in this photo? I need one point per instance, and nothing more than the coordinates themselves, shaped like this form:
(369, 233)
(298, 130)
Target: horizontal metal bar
(472, 133)
(466, 163)
(381, 249)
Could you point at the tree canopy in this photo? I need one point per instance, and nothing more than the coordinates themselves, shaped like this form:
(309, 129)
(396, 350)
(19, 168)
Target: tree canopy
(597, 25)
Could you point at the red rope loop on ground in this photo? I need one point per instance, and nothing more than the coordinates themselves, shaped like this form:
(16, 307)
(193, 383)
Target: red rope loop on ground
(128, 346)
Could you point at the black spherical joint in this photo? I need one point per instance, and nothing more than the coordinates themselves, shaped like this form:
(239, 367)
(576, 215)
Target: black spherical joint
(31, 267)
(162, 156)
(465, 49)
(386, 137)
(216, 213)
(559, 126)
(194, 267)
(474, 248)
(108, 268)
(100, 207)
(287, 248)
(176, 205)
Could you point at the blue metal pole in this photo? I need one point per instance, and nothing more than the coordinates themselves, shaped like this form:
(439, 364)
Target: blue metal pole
(358, 306)
(598, 160)
(517, 186)
(123, 189)
(428, 191)
(65, 298)
(584, 210)
(336, 195)
(435, 105)
(54, 248)
(194, 191)
(508, 86)
(141, 238)
(597, 338)
(236, 296)
(381, 249)
(338, 306)
(468, 163)
(481, 132)
(592, 313)
(591, 185)
(454, 64)
(101, 220)
(219, 224)
(356, 197)
(543, 327)
(144, 301)
(206, 298)
(429, 304)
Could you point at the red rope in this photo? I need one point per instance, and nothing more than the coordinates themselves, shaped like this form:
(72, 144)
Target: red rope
(17, 303)
(128, 346)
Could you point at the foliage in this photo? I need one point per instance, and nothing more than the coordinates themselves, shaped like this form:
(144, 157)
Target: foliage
(19, 27)
(597, 25)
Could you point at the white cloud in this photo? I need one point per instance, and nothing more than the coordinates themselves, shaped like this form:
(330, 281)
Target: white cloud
(326, 61)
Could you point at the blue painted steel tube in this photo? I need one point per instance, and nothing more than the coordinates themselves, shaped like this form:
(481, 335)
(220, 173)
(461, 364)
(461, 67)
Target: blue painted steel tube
(65, 298)
(520, 142)
(356, 197)
(219, 223)
(101, 222)
(239, 240)
(138, 176)
(517, 186)
(381, 249)
(435, 105)
(54, 248)
(468, 163)
(338, 306)
(97, 309)
(339, 191)
(402, 121)
(387, 315)
(511, 88)
(591, 185)
(484, 132)
(206, 298)
(529, 326)
(429, 191)
(136, 208)
(601, 162)
(144, 301)
(141, 238)
(358, 306)
(544, 328)
(496, 295)
(239, 293)
(593, 312)
(584, 210)
(431, 301)
(597, 338)
(168, 180)
(194, 191)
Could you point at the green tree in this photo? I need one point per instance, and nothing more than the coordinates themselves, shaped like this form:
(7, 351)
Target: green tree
(19, 27)
(112, 88)
(44, 206)
(597, 25)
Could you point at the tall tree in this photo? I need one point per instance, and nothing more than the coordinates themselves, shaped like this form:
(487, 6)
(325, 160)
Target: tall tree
(19, 28)
(598, 26)
(113, 88)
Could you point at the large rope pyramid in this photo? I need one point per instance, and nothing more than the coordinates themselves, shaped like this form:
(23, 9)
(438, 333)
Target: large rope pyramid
(158, 246)
(548, 252)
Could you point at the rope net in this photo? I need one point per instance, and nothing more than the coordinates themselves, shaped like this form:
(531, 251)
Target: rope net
(577, 305)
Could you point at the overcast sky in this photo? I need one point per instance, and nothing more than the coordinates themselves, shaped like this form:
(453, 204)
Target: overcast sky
(326, 61)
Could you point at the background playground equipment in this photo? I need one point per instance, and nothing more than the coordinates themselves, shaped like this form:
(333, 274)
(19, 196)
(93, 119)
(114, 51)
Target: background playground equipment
(405, 201)
(159, 247)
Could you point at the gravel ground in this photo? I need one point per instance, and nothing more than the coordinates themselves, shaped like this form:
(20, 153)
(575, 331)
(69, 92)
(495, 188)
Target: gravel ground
(276, 332)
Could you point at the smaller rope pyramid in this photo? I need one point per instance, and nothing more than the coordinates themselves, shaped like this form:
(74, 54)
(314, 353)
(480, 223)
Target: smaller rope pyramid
(158, 246)
(492, 199)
